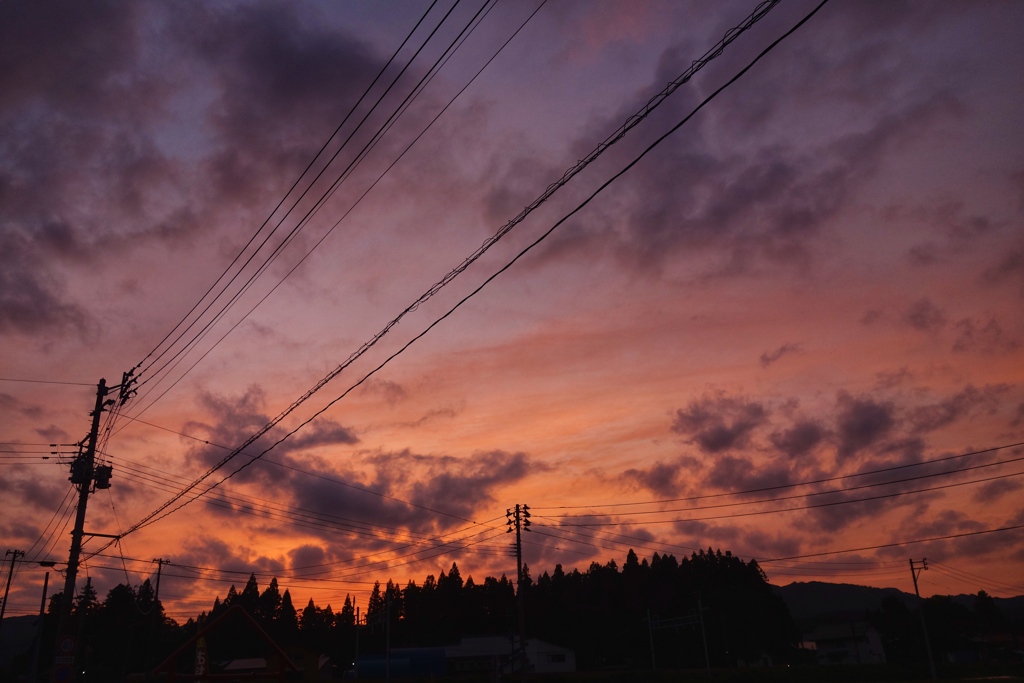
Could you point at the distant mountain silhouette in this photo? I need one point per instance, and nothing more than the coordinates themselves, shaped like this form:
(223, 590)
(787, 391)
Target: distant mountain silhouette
(817, 598)
(17, 636)
(808, 600)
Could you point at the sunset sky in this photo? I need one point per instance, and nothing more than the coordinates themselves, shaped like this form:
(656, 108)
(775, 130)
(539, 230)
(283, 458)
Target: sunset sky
(818, 275)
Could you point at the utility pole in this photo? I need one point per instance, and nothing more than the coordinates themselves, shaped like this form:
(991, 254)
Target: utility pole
(87, 477)
(159, 568)
(915, 570)
(10, 575)
(37, 651)
(355, 660)
(650, 636)
(156, 600)
(81, 476)
(518, 518)
(387, 633)
(703, 633)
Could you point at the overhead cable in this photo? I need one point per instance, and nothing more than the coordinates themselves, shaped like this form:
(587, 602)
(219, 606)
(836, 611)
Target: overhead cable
(731, 35)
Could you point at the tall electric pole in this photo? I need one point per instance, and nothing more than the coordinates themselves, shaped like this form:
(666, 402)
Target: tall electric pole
(10, 575)
(160, 562)
(37, 650)
(915, 570)
(87, 477)
(154, 612)
(518, 518)
(82, 472)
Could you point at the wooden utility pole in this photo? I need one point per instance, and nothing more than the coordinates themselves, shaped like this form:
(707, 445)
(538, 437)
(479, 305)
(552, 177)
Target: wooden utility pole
(81, 476)
(518, 518)
(87, 477)
(10, 575)
(915, 570)
(37, 651)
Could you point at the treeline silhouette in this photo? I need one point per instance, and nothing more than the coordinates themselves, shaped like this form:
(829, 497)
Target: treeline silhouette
(605, 615)
(609, 616)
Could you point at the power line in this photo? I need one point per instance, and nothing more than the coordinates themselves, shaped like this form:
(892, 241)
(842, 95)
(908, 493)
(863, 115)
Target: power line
(300, 517)
(45, 381)
(442, 547)
(522, 253)
(358, 200)
(763, 489)
(897, 544)
(296, 404)
(968, 576)
(892, 482)
(798, 507)
(291, 189)
(343, 175)
(759, 12)
(301, 471)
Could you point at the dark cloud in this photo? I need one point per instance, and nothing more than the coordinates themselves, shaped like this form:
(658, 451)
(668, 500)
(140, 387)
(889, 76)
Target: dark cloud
(324, 432)
(988, 337)
(660, 478)
(393, 392)
(861, 422)
(306, 556)
(925, 316)
(32, 296)
(234, 420)
(871, 317)
(890, 379)
(954, 230)
(283, 81)
(431, 415)
(800, 439)
(37, 492)
(735, 187)
(994, 490)
(1018, 419)
(927, 418)
(869, 432)
(473, 482)
(19, 530)
(209, 551)
(755, 543)
(155, 122)
(704, 535)
(767, 358)
(444, 490)
(1009, 267)
(923, 255)
(719, 423)
(730, 473)
(11, 404)
(64, 54)
(837, 511)
(944, 523)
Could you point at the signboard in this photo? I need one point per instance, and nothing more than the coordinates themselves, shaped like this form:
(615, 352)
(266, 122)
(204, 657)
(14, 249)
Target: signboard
(64, 660)
(200, 657)
(66, 646)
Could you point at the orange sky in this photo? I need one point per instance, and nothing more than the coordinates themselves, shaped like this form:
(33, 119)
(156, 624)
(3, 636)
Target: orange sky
(818, 276)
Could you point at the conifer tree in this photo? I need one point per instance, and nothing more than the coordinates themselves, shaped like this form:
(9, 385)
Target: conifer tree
(347, 617)
(86, 601)
(287, 622)
(270, 602)
(250, 597)
(310, 618)
(376, 604)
